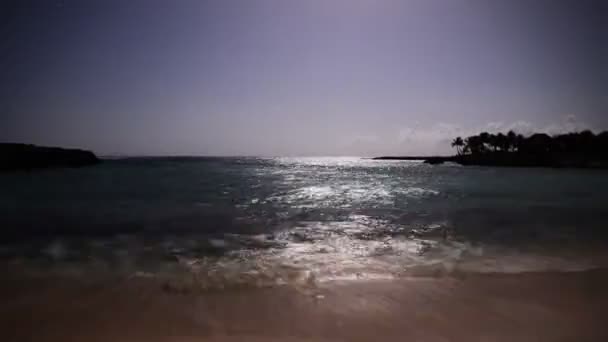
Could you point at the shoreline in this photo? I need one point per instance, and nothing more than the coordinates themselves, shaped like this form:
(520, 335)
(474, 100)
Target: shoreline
(547, 306)
(505, 160)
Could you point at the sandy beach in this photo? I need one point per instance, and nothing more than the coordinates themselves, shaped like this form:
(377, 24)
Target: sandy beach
(478, 307)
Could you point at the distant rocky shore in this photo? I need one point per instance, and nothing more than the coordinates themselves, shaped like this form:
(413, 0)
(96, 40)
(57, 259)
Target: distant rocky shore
(30, 157)
(576, 150)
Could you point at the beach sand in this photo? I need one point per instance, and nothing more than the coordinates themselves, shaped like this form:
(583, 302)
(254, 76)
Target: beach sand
(468, 307)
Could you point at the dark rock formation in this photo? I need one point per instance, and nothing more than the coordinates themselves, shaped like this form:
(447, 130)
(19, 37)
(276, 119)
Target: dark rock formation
(28, 157)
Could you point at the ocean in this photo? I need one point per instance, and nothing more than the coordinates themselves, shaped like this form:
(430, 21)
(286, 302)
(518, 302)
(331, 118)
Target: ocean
(222, 222)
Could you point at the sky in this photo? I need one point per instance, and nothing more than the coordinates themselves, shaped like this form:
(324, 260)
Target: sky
(287, 77)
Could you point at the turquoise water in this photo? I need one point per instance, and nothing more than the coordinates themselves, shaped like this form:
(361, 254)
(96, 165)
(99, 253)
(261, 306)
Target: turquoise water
(276, 220)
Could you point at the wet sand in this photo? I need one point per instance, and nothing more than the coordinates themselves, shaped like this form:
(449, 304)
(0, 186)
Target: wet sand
(479, 307)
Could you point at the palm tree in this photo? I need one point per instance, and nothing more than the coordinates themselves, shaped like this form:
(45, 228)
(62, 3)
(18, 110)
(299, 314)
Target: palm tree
(502, 142)
(474, 145)
(602, 144)
(483, 139)
(493, 141)
(538, 143)
(583, 148)
(511, 140)
(520, 140)
(459, 144)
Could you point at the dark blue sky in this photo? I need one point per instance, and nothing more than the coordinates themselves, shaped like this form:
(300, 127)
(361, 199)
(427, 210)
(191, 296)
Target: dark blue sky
(282, 77)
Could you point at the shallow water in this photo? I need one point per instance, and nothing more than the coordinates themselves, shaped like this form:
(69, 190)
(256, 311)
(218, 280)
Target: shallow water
(259, 221)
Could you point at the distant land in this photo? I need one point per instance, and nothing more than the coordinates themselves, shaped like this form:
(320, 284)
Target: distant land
(29, 157)
(426, 159)
(577, 150)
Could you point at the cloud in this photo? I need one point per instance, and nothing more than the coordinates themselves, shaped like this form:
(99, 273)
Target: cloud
(570, 123)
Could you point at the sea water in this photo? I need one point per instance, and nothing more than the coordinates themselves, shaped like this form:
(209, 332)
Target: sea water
(266, 221)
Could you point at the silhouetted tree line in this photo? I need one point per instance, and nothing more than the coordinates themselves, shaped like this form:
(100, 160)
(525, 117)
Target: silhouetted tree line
(572, 149)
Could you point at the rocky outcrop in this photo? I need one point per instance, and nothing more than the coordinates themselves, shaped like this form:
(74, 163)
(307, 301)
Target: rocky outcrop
(29, 157)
